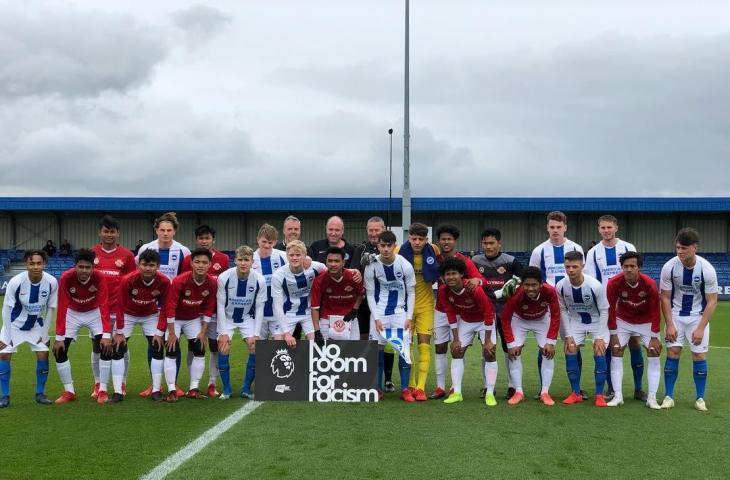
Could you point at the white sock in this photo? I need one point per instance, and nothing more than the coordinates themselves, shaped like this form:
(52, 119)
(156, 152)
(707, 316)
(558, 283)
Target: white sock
(213, 368)
(126, 365)
(490, 373)
(105, 367)
(64, 373)
(441, 362)
(170, 368)
(515, 372)
(457, 373)
(157, 367)
(547, 370)
(653, 373)
(617, 376)
(95, 357)
(117, 374)
(510, 383)
(196, 371)
(483, 371)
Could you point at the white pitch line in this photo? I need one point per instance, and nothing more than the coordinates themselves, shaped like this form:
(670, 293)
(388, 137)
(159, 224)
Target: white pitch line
(181, 456)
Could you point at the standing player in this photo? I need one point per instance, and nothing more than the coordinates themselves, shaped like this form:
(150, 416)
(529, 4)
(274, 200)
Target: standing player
(633, 302)
(533, 308)
(30, 300)
(469, 312)
(83, 302)
(583, 311)
(266, 261)
(240, 301)
(447, 236)
(497, 271)
(113, 261)
(423, 256)
(205, 238)
(336, 293)
(190, 304)
(142, 296)
(390, 284)
(602, 263)
(172, 253)
(688, 300)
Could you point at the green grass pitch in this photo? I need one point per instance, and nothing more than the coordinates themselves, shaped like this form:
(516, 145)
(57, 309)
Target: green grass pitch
(386, 440)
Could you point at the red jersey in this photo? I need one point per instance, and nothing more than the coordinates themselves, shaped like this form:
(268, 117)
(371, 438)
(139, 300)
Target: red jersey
(333, 297)
(471, 272)
(139, 299)
(218, 265)
(189, 301)
(472, 307)
(114, 265)
(82, 297)
(527, 309)
(636, 304)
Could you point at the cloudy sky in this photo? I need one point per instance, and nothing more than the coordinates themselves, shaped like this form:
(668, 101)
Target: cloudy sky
(294, 98)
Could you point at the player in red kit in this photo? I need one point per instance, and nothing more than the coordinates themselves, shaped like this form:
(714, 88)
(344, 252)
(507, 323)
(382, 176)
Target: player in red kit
(189, 306)
(142, 296)
(335, 299)
(113, 261)
(533, 308)
(83, 302)
(205, 238)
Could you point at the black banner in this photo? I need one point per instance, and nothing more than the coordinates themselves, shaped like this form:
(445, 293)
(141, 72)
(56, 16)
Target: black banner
(339, 371)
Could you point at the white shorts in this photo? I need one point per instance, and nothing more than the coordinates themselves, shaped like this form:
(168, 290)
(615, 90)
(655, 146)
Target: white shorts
(626, 330)
(324, 327)
(539, 328)
(245, 328)
(468, 330)
(270, 326)
(579, 331)
(397, 320)
(36, 338)
(483, 333)
(685, 326)
(441, 328)
(189, 328)
(149, 325)
(76, 320)
(304, 320)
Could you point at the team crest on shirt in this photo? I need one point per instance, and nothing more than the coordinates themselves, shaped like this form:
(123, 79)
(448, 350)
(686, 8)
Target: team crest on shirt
(468, 301)
(399, 274)
(451, 299)
(173, 257)
(187, 293)
(544, 304)
(72, 289)
(586, 297)
(275, 264)
(135, 291)
(155, 293)
(119, 263)
(250, 289)
(501, 270)
(348, 288)
(96, 260)
(642, 294)
(430, 260)
(625, 294)
(216, 266)
(328, 290)
(92, 289)
(481, 269)
(44, 294)
(205, 293)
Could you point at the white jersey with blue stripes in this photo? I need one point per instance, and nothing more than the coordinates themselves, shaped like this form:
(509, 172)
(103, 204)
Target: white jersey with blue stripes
(171, 259)
(293, 289)
(26, 304)
(689, 287)
(585, 304)
(266, 267)
(602, 262)
(390, 288)
(549, 258)
(240, 299)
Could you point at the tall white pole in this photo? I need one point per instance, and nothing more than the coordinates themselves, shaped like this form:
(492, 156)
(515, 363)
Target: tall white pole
(406, 215)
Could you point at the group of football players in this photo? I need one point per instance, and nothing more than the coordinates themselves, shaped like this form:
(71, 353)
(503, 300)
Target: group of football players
(378, 290)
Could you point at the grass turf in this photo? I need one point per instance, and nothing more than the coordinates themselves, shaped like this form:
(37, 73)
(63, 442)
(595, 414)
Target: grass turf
(386, 440)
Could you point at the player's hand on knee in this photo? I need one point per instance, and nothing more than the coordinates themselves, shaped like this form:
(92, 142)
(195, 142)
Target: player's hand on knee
(58, 346)
(119, 340)
(548, 351)
(514, 352)
(223, 344)
(599, 347)
(106, 345)
(697, 336)
(157, 341)
(655, 347)
(3, 345)
(670, 333)
(456, 348)
(171, 341)
(489, 350)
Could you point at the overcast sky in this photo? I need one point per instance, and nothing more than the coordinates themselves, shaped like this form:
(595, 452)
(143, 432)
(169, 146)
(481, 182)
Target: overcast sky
(294, 98)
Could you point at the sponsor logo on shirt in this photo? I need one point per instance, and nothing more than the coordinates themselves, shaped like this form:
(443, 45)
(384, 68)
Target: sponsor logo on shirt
(500, 270)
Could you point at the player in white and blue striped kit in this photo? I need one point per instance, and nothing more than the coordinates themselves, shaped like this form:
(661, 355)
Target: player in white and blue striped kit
(688, 289)
(266, 261)
(30, 299)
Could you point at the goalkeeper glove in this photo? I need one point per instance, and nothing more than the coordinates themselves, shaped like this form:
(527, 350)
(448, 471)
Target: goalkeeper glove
(508, 289)
(318, 338)
(351, 315)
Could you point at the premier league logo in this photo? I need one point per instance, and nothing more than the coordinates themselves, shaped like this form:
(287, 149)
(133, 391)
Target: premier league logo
(282, 365)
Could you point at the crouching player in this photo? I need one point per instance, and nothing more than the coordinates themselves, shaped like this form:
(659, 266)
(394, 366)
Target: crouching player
(30, 299)
(190, 304)
(468, 312)
(336, 294)
(390, 286)
(241, 299)
(142, 296)
(633, 303)
(533, 308)
(583, 311)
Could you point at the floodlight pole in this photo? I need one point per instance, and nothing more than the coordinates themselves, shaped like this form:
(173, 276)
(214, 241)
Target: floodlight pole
(406, 215)
(390, 176)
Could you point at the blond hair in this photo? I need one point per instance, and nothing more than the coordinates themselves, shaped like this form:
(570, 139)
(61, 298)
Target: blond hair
(296, 245)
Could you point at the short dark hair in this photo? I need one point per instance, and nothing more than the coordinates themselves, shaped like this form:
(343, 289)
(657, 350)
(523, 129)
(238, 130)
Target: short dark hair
(30, 253)
(629, 255)
(453, 263)
(204, 230)
(687, 237)
(150, 256)
(557, 216)
(608, 218)
(107, 221)
(387, 237)
(418, 229)
(452, 230)
(84, 255)
(492, 232)
(531, 272)
(201, 252)
(573, 256)
(335, 251)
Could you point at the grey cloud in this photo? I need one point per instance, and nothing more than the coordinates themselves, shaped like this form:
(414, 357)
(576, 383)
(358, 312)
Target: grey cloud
(200, 23)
